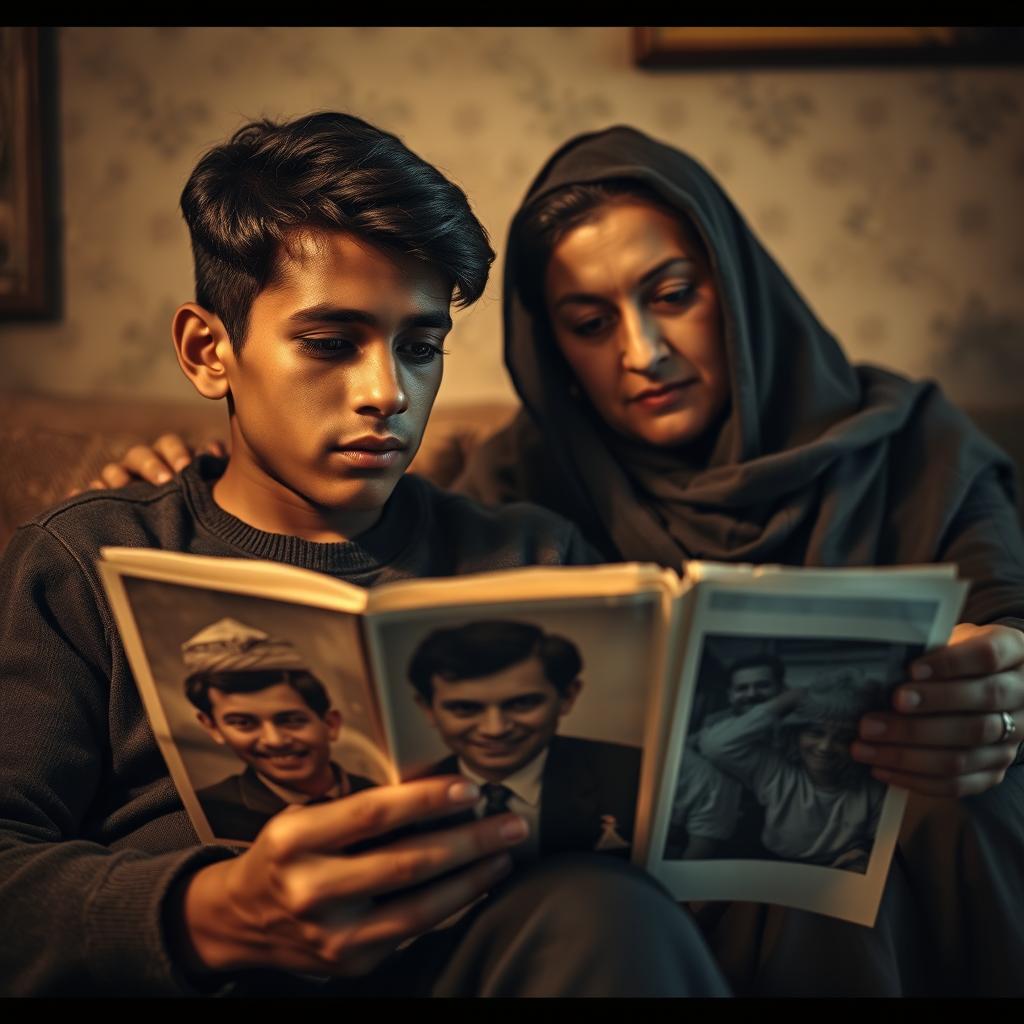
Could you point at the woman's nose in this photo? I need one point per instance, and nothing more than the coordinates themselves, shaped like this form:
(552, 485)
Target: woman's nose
(643, 346)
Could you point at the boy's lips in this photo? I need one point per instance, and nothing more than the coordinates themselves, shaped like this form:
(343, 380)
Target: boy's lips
(371, 451)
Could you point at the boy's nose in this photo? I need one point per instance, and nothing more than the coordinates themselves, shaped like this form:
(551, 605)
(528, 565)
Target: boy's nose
(377, 388)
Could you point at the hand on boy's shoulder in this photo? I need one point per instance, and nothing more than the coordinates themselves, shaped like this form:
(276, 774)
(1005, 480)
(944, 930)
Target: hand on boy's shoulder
(155, 464)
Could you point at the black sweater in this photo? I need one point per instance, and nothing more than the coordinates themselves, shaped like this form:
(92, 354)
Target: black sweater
(92, 832)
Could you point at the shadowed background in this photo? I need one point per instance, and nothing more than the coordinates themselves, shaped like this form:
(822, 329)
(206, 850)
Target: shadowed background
(893, 197)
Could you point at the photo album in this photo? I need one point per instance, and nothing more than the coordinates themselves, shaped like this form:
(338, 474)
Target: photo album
(697, 724)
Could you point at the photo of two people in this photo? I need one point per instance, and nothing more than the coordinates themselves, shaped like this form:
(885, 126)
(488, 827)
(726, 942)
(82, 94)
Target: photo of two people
(766, 772)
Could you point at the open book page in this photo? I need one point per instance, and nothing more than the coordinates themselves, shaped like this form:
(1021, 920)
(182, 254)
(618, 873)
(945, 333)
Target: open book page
(240, 576)
(256, 702)
(757, 798)
(538, 692)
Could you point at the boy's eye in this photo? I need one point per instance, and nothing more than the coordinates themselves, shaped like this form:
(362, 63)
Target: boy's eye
(326, 347)
(420, 352)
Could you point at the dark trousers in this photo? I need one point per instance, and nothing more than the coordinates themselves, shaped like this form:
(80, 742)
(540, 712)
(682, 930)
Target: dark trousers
(572, 925)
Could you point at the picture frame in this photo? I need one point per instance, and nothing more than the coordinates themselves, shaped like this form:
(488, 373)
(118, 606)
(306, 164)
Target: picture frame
(28, 206)
(685, 47)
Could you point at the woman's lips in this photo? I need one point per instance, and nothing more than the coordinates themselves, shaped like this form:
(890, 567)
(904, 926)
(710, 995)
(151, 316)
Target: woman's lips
(664, 397)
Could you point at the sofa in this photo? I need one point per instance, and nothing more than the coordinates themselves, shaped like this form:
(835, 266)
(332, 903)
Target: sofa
(50, 444)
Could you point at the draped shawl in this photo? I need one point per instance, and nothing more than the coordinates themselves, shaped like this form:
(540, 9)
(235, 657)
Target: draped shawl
(817, 462)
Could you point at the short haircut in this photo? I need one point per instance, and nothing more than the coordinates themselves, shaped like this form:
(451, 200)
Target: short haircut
(770, 661)
(551, 218)
(326, 171)
(305, 684)
(488, 646)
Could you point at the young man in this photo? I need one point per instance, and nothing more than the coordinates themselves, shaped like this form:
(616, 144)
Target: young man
(255, 695)
(496, 692)
(327, 256)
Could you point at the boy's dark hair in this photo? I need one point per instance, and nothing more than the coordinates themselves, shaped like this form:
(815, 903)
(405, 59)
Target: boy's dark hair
(305, 684)
(484, 647)
(329, 171)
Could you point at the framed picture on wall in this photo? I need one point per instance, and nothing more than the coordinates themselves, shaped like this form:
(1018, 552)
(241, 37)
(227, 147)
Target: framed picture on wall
(27, 201)
(693, 47)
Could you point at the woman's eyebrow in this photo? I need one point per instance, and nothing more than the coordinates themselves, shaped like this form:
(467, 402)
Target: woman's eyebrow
(673, 262)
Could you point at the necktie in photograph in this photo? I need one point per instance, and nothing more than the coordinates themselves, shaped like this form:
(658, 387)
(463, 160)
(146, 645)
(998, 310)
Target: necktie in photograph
(496, 797)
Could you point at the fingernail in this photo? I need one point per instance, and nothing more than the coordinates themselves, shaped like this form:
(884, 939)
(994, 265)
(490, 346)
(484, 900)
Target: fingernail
(463, 792)
(863, 752)
(514, 830)
(872, 727)
(921, 672)
(908, 699)
(163, 476)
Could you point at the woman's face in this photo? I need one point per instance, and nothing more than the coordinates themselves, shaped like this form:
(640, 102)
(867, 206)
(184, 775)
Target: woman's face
(635, 312)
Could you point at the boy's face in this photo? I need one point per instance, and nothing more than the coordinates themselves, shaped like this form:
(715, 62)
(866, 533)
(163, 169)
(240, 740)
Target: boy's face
(335, 382)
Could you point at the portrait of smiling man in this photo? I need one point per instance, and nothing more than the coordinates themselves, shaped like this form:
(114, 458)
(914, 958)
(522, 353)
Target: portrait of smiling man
(255, 695)
(496, 692)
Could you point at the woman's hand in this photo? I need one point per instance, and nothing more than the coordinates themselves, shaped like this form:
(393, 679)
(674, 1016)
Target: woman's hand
(156, 465)
(958, 723)
(296, 900)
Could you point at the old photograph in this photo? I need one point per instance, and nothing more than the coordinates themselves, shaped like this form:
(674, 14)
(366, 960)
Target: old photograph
(266, 704)
(766, 773)
(543, 707)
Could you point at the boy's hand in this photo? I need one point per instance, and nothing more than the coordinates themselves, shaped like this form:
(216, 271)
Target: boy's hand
(959, 723)
(156, 465)
(295, 900)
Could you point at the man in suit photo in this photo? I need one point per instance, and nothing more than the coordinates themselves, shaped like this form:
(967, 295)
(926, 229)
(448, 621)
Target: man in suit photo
(255, 695)
(496, 691)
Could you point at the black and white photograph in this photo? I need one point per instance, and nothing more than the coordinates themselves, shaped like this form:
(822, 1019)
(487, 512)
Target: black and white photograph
(542, 706)
(758, 797)
(265, 704)
(767, 773)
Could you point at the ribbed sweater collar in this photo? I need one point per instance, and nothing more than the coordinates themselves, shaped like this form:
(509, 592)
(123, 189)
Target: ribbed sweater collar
(379, 546)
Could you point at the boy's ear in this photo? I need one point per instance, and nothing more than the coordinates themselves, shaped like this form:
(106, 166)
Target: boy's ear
(203, 349)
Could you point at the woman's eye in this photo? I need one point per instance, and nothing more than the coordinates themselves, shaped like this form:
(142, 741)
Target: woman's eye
(590, 327)
(677, 295)
(421, 352)
(326, 347)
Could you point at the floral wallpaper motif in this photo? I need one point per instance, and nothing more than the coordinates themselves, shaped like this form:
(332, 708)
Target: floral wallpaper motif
(892, 197)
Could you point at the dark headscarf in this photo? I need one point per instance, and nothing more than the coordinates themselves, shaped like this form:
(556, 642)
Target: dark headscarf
(818, 462)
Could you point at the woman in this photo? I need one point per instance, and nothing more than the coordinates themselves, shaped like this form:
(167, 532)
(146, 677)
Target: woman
(681, 400)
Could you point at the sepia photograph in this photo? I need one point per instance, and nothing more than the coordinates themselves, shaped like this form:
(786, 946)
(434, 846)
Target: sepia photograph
(266, 704)
(543, 706)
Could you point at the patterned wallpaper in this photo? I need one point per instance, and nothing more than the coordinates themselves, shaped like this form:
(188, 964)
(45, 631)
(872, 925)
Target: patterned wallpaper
(894, 197)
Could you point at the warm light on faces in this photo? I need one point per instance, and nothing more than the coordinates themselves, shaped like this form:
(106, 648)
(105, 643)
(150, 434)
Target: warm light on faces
(635, 311)
(278, 734)
(499, 723)
(334, 384)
